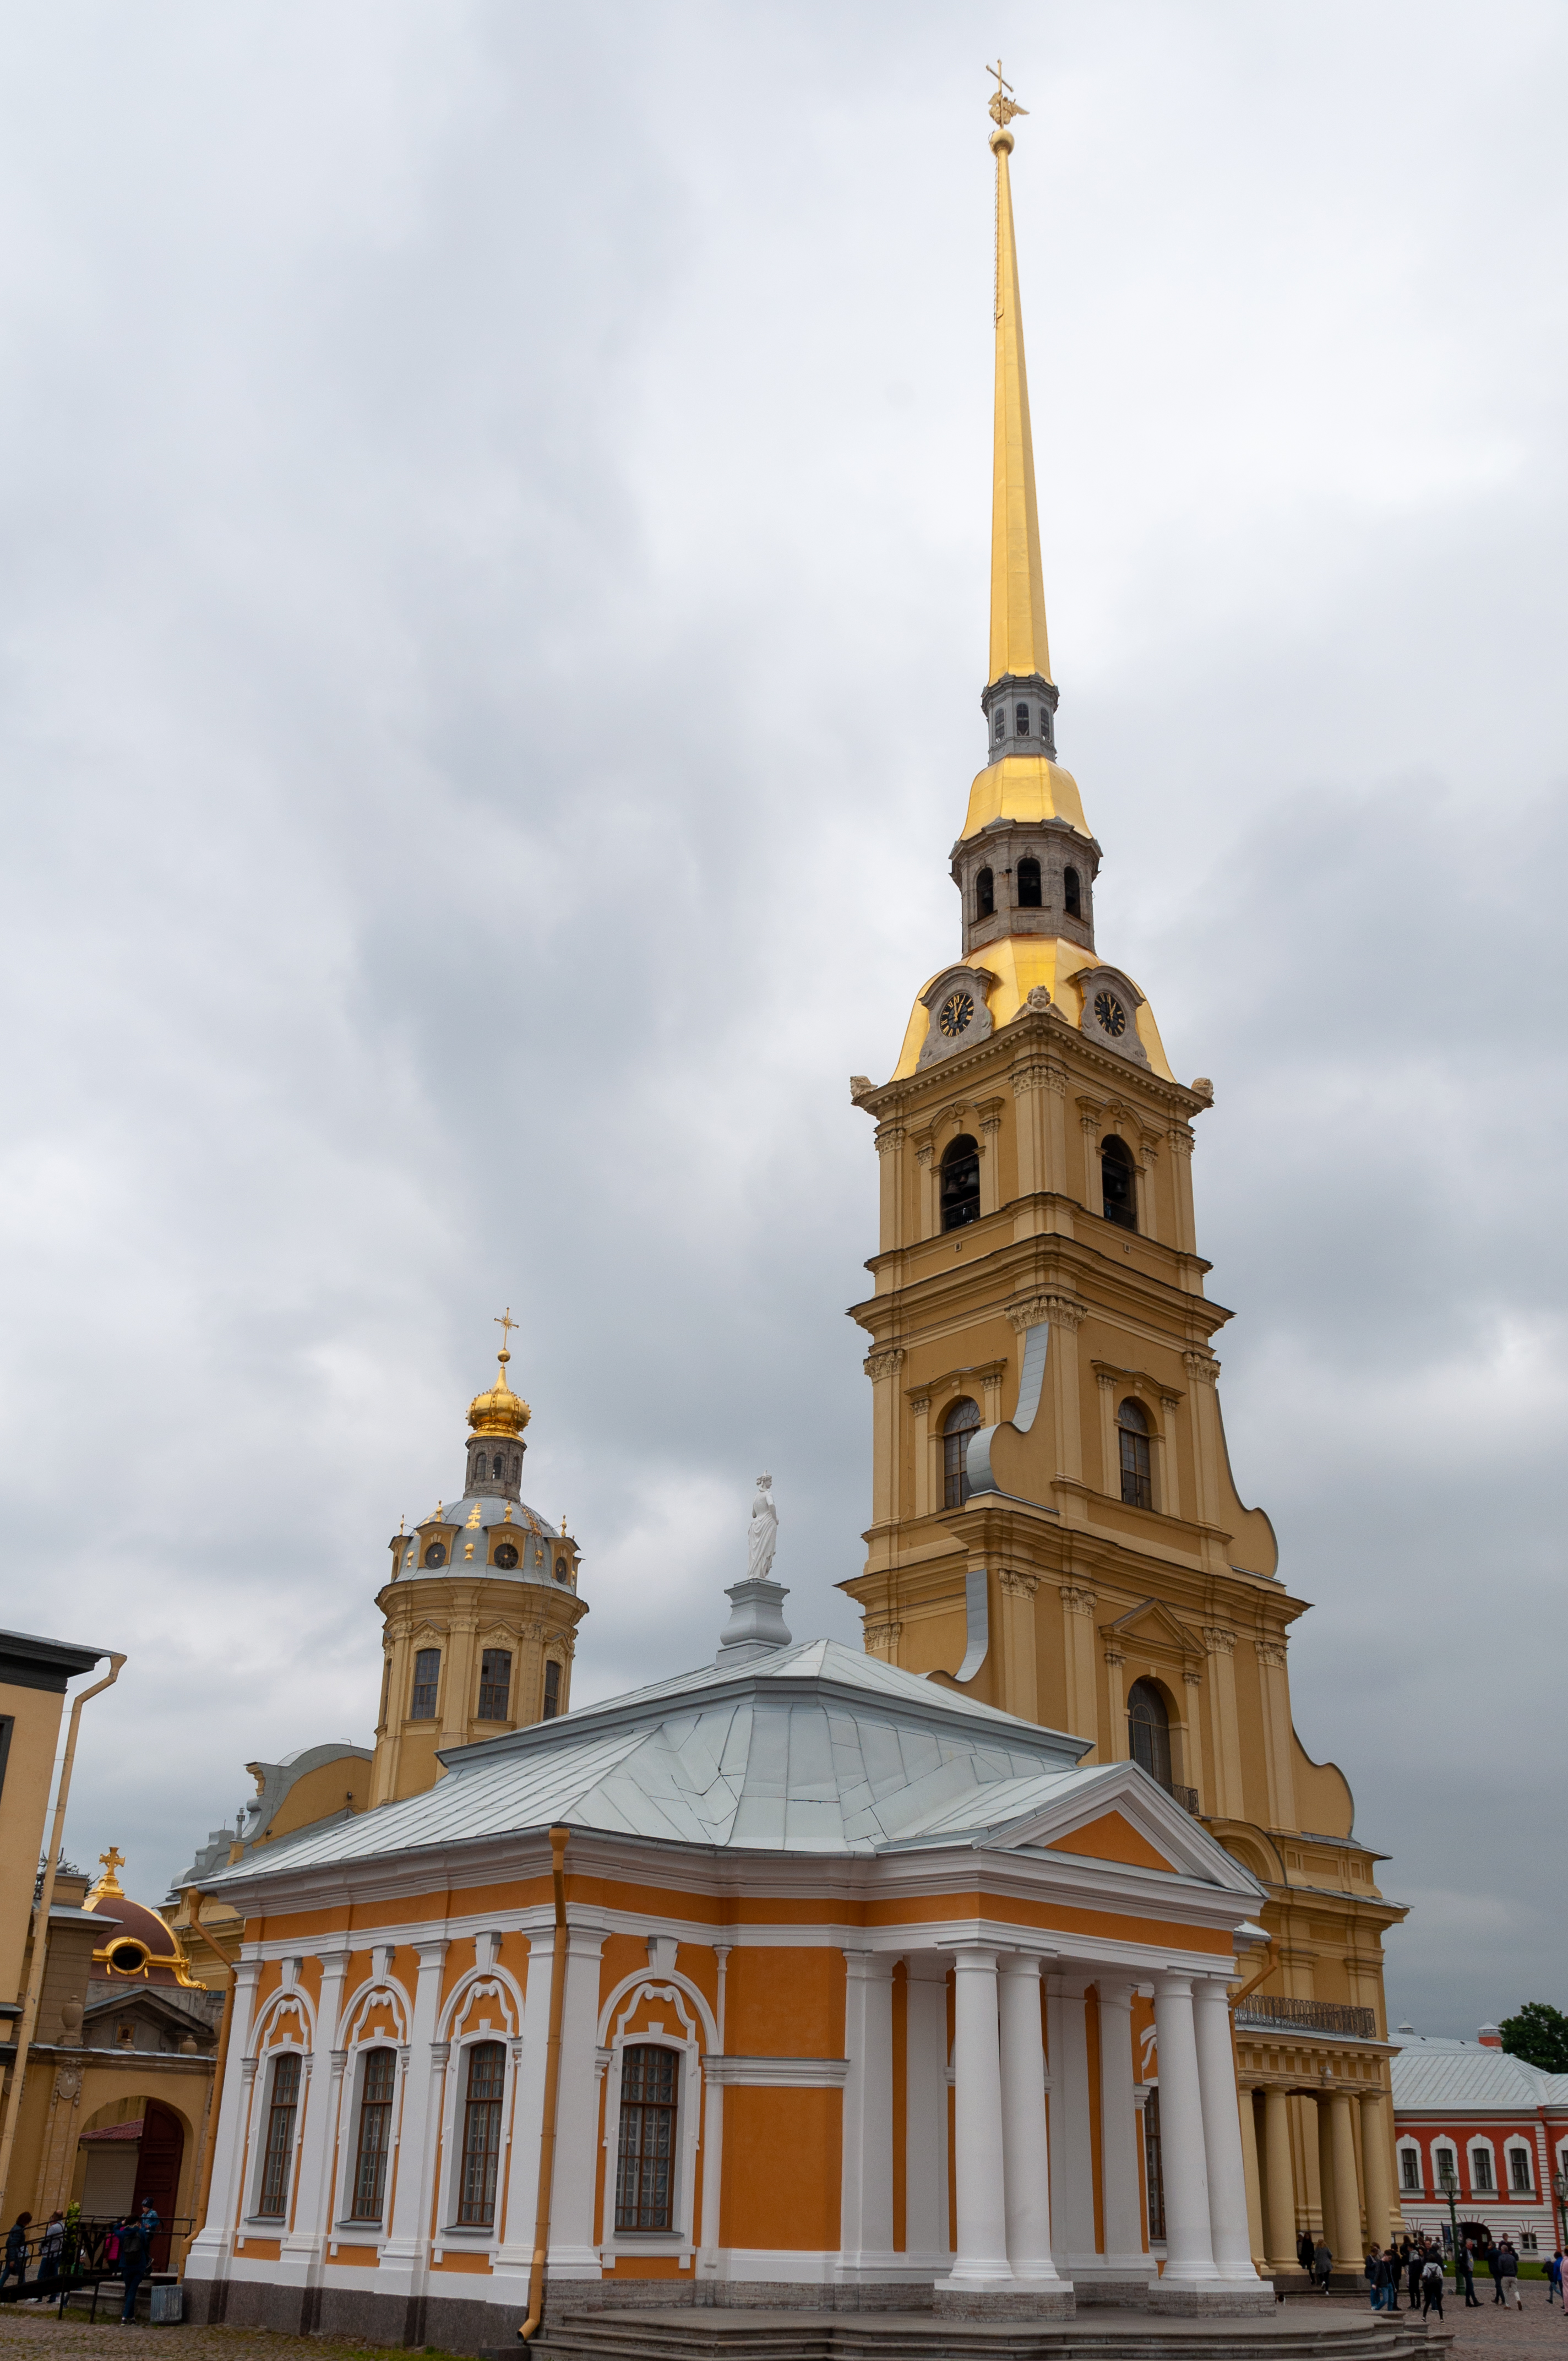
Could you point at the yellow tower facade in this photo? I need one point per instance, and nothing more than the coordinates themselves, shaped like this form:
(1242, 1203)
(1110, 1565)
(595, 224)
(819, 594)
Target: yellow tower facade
(480, 1609)
(1056, 1527)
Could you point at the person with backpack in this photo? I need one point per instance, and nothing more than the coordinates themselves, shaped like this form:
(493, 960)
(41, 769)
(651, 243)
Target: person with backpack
(1431, 2284)
(1508, 2273)
(16, 2265)
(1415, 2255)
(134, 2258)
(1554, 2277)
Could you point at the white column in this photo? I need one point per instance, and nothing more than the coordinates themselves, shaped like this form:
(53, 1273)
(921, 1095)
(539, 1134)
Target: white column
(404, 2254)
(865, 2234)
(515, 2252)
(573, 2254)
(1072, 2160)
(207, 2256)
(1024, 2149)
(1189, 2252)
(926, 2237)
(1228, 2225)
(712, 2137)
(306, 2241)
(1120, 2130)
(981, 2259)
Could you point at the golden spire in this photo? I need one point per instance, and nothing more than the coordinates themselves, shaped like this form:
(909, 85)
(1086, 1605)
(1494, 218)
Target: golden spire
(1018, 643)
(499, 1412)
(108, 1887)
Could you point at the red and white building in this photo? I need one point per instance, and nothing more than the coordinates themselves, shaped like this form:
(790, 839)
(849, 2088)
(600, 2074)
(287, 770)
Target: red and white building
(1504, 2125)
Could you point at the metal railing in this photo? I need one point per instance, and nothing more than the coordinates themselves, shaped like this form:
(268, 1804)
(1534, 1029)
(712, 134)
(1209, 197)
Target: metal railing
(80, 2261)
(1309, 2016)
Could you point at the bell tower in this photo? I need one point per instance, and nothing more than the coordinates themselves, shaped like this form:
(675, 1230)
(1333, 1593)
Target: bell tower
(1055, 1525)
(480, 1610)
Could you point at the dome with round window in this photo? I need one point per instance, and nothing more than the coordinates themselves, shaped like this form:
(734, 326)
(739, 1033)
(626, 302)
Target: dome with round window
(138, 1946)
(489, 1531)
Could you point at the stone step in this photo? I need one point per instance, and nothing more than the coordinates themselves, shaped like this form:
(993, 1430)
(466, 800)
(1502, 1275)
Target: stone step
(721, 2333)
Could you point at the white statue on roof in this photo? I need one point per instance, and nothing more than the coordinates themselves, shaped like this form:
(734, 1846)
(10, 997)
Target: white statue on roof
(762, 1533)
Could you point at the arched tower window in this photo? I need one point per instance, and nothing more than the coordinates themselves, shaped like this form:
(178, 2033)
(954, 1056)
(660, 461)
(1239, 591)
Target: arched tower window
(1116, 1183)
(1073, 892)
(1029, 885)
(1001, 723)
(1148, 1731)
(1020, 719)
(1137, 1475)
(552, 1691)
(961, 1421)
(960, 1183)
(984, 894)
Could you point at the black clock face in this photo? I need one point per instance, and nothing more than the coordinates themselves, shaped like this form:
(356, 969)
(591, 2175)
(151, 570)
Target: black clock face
(955, 1014)
(1113, 1016)
(505, 1557)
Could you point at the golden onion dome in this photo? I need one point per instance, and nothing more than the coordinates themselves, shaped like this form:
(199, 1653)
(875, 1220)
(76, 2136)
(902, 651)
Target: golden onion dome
(498, 1412)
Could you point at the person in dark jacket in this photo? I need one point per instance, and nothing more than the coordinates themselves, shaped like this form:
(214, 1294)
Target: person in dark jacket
(1465, 2268)
(1304, 2252)
(1376, 2278)
(133, 2267)
(1494, 2265)
(1415, 2251)
(16, 2265)
(1431, 2284)
(1323, 2265)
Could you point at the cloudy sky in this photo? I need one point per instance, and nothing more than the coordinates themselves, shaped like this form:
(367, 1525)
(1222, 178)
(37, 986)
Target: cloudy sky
(495, 504)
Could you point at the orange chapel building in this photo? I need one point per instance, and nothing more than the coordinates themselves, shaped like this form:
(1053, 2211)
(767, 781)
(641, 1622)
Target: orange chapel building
(902, 1979)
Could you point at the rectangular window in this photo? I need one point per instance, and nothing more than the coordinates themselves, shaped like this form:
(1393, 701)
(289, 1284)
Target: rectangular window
(1409, 2169)
(280, 2149)
(644, 2175)
(1138, 1476)
(375, 2135)
(482, 2133)
(1153, 2173)
(552, 1690)
(1518, 2171)
(1480, 2168)
(427, 1677)
(495, 1684)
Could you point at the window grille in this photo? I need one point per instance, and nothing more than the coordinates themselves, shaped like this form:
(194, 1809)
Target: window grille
(961, 1421)
(1148, 1731)
(1153, 2173)
(427, 1676)
(495, 1684)
(1137, 1475)
(960, 1183)
(644, 2174)
(375, 2134)
(280, 2149)
(481, 2134)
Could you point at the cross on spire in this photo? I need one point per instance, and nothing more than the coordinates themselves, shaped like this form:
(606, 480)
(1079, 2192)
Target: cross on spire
(506, 1323)
(1004, 106)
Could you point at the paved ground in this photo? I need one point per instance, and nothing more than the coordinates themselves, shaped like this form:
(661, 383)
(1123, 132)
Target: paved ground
(1488, 2334)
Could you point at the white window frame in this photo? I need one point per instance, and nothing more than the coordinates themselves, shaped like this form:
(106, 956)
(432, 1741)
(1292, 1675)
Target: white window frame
(1515, 2147)
(450, 2231)
(275, 2224)
(1417, 2186)
(1475, 2147)
(345, 2225)
(680, 2238)
(1439, 2148)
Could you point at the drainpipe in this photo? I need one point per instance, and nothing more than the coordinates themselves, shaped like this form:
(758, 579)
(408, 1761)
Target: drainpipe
(215, 2089)
(558, 1839)
(40, 1919)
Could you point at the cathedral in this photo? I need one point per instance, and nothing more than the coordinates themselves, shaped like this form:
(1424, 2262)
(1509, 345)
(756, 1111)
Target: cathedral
(1020, 1961)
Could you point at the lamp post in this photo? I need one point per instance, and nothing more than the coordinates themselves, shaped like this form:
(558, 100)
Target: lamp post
(1448, 2181)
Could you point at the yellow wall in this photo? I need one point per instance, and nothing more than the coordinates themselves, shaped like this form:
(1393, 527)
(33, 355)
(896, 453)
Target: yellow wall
(30, 1768)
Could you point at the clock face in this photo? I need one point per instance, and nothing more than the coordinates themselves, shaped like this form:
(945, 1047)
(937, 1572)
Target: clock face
(955, 1014)
(1113, 1016)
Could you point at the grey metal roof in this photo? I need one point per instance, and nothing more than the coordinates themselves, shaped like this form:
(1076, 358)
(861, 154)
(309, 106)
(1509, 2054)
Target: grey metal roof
(1433, 2074)
(534, 1534)
(817, 1750)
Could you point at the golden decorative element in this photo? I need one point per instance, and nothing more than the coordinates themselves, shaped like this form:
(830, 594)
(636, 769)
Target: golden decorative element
(562, 1529)
(1004, 105)
(499, 1412)
(108, 1885)
(1019, 641)
(474, 1517)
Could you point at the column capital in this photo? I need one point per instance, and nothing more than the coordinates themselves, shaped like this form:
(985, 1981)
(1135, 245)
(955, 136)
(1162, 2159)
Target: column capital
(1076, 1600)
(869, 1966)
(880, 1365)
(972, 1958)
(1020, 1963)
(888, 1137)
(1218, 1642)
(432, 1955)
(1270, 1653)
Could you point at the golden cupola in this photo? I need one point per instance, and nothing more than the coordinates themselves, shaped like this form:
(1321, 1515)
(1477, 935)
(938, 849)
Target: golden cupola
(498, 1411)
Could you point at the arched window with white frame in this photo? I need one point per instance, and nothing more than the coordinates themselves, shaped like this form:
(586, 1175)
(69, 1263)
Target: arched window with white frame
(646, 2149)
(1409, 2169)
(1483, 2172)
(280, 2118)
(372, 2135)
(484, 2086)
(1521, 2178)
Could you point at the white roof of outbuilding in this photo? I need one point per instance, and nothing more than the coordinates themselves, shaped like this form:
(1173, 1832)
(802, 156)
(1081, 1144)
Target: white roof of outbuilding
(1434, 2075)
(816, 1750)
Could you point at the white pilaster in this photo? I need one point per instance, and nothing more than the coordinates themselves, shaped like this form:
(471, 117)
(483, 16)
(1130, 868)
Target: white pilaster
(1228, 2225)
(305, 2241)
(1120, 2130)
(866, 2180)
(980, 2262)
(406, 2251)
(712, 2135)
(207, 2256)
(573, 2254)
(1073, 2160)
(926, 2234)
(1190, 2251)
(1024, 2148)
